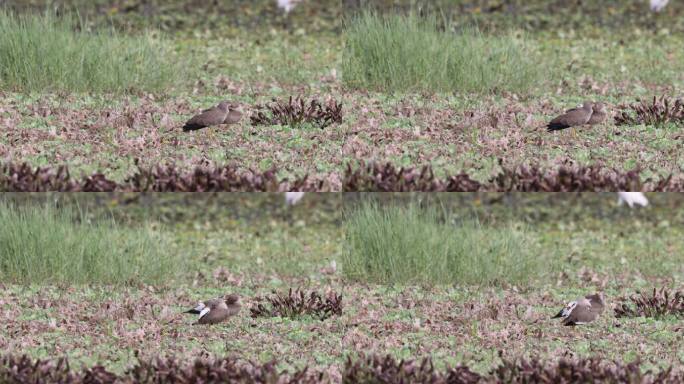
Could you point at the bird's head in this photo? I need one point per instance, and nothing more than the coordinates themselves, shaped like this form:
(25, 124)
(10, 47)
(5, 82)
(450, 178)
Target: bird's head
(599, 107)
(232, 299)
(597, 297)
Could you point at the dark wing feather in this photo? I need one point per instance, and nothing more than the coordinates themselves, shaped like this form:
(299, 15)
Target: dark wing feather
(196, 122)
(575, 116)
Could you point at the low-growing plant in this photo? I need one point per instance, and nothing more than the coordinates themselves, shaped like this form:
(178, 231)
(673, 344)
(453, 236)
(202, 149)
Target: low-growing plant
(22, 369)
(409, 52)
(662, 302)
(298, 303)
(364, 369)
(386, 177)
(660, 111)
(570, 178)
(46, 243)
(297, 111)
(162, 178)
(387, 369)
(411, 244)
(206, 178)
(362, 177)
(226, 370)
(590, 370)
(39, 52)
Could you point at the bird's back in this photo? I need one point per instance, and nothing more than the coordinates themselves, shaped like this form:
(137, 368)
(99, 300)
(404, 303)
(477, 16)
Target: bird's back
(208, 117)
(573, 117)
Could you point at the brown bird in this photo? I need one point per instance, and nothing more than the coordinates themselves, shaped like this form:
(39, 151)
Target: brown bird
(233, 116)
(223, 113)
(572, 117)
(583, 310)
(598, 114)
(217, 310)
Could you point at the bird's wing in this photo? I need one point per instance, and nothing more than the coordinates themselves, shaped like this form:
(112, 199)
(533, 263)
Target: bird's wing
(204, 312)
(583, 314)
(197, 309)
(565, 312)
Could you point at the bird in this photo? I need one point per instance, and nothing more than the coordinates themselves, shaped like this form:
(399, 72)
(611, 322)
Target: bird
(292, 198)
(598, 114)
(223, 113)
(216, 310)
(287, 5)
(632, 198)
(572, 117)
(658, 5)
(583, 310)
(233, 116)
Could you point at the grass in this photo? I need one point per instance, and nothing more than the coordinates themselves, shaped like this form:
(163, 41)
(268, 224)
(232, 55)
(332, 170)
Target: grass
(454, 131)
(46, 52)
(410, 245)
(44, 243)
(585, 242)
(410, 53)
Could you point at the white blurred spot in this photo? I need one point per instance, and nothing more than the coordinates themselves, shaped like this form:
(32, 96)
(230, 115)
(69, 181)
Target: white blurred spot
(287, 5)
(292, 198)
(632, 198)
(658, 5)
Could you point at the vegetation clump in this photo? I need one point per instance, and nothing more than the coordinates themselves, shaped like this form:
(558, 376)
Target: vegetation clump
(297, 303)
(297, 111)
(365, 369)
(658, 112)
(363, 177)
(662, 302)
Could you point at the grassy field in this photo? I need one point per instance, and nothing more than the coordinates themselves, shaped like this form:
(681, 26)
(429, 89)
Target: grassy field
(252, 244)
(488, 97)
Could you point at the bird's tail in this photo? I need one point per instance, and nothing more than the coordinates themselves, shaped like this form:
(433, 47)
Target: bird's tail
(558, 315)
(554, 127)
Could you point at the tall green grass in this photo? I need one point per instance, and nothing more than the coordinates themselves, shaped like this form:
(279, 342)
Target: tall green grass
(410, 53)
(39, 52)
(408, 244)
(41, 243)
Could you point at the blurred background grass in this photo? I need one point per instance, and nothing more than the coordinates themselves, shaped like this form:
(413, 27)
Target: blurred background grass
(195, 16)
(559, 233)
(615, 41)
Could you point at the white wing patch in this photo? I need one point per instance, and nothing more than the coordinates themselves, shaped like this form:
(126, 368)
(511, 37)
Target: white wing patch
(200, 307)
(204, 312)
(568, 309)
